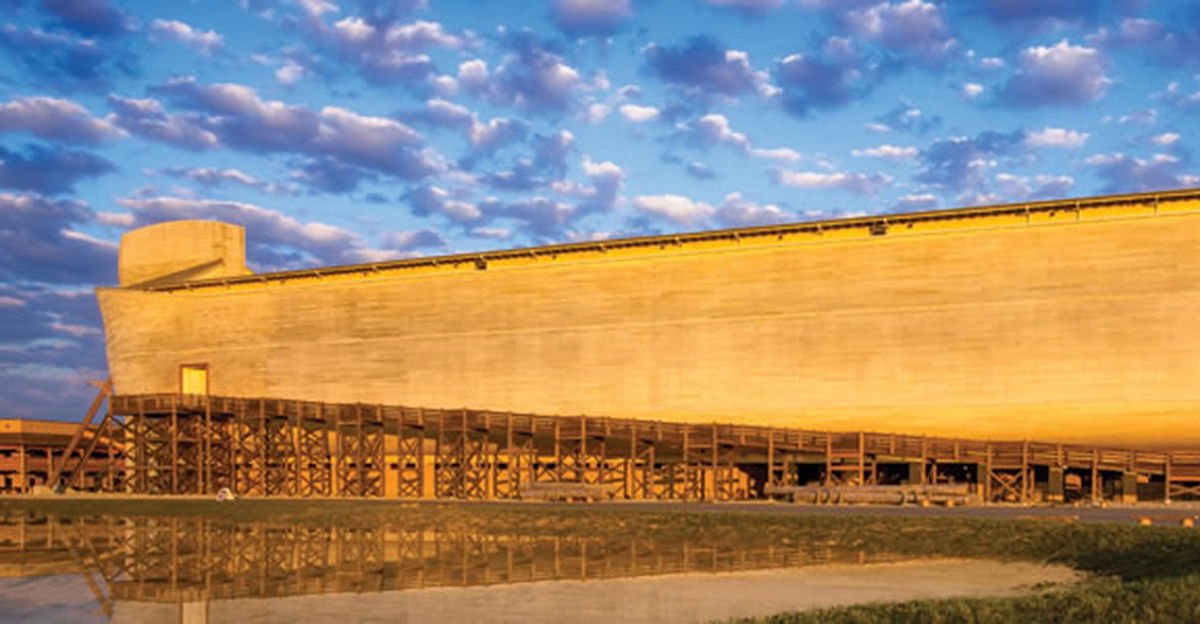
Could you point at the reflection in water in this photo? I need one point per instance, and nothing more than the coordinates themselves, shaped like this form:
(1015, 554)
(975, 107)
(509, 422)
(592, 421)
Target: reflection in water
(190, 562)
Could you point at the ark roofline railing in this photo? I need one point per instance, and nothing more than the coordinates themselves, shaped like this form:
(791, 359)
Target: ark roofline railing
(872, 225)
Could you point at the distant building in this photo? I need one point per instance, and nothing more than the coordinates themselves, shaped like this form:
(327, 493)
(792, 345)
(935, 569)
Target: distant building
(30, 450)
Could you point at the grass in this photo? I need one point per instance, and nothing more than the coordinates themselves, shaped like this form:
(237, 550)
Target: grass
(1139, 574)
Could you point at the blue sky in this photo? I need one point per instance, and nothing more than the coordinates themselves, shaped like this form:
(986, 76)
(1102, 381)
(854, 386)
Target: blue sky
(341, 131)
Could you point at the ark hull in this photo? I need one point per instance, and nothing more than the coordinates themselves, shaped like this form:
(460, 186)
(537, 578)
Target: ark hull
(1066, 325)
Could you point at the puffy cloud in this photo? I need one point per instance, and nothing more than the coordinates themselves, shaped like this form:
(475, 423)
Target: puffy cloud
(389, 52)
(1165, 139)
(776, 153)
(832, 76)
(914, 28)
(905, 118)
(639, 114)
(426, 201)
(484, 136)
(290, 73)
(411, 240)
(1126, 174)
(1144, 117)
(1056, 137)
(583, 18)
(551, 151)
(858, 183)
(736, 211)
(714, 129)
(607, 180)
(1129, 32)
(523, 176)
(219, 177)
(204, 41)
(49, 170)
(1062, 74)
(888, 152)
(334, 137)
(531, 77)
(376, 41)
(147, 119)
(444, 114)
(275, 241)
(1020, 188)
(54, 119)
(703, 66)
(496, 132)
(330, 174)
(39, 242)
(676, 209)
(963, 163)
(972, 90)
(916, 202)
(88, 17)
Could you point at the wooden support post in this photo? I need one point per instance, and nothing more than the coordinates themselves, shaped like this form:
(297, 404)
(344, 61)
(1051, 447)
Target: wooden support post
(513, 456)
(715, 477)
(631, 465)
(687, 465)
(294, 427)
(174, 444)
(262, 446)
(1095, 474)
(828, 459)
(986, 477)
(770, 457)
(1167, 463)
(558, 456)
(23, 469)
(140, 443)
(335, 475)
(235, 432)
(1026, 473)
(207, 486)
(862, 459)
(381, 453)
(924, 459)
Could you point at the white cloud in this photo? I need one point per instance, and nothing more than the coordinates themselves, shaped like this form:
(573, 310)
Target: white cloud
(859, 183)
(1062, 74)
(55, 119)
(639, 114)
(1056, 137)
(972, 90)
(776, 153)
(887, 152)
(289, 74)
(1165, 139)
(735, 211)
(204, 41)
(677, 209)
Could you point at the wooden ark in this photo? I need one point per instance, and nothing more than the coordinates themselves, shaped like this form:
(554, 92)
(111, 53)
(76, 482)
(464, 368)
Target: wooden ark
(1066, 321)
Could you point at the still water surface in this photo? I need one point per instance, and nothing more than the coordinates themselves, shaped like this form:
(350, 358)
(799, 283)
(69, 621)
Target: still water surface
(196, 570)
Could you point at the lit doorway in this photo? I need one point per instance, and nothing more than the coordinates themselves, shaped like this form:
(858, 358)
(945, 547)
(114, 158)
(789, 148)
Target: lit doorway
(193, 378)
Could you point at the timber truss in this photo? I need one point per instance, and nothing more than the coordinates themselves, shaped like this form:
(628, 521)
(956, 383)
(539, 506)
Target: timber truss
(192, 444)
